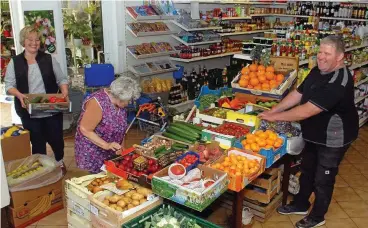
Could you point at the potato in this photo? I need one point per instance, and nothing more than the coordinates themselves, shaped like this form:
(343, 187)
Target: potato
(130, 206)
(106, 202)
(119, 208)
(121, 203)
(94, 183)
(90, 188)
(96, 189)
(143, 191)
(127, 200)
(113, 206)
(135, 202)
(106, 182)
(142, 201)
(130, 193)
(114, 199)
(137, 196)
(107, 198)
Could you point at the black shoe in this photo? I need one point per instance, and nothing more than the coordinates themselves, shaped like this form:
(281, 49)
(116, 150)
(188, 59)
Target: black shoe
(291, 210)
(309, 222)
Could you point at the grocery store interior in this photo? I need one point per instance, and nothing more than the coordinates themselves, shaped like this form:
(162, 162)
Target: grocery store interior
(195, 148)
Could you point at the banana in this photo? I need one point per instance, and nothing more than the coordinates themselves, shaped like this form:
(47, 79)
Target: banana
(40, 206)
(48, 204)
(10, 131)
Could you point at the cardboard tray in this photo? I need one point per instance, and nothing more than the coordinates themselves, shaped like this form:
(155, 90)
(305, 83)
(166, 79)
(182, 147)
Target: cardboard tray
(48, 108)
(16, 147)
(115, 217)
(190, 198)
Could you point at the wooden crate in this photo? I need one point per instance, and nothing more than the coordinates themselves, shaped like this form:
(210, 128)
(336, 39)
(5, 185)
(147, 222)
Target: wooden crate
(265, 187)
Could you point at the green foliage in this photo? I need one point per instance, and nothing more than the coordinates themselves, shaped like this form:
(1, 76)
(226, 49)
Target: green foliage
(77, 24)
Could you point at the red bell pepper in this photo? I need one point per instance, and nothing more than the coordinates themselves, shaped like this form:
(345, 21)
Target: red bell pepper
(52, 99)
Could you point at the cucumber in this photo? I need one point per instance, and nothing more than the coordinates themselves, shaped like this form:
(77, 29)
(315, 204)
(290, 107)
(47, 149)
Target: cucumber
(179, 145)
(198, 128)
(160, 149)
(186, 128)
(184, 132)
(171, 131)
(175, 137)
(36, 100)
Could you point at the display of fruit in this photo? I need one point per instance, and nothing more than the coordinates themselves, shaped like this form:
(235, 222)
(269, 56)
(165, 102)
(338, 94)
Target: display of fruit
(183, 132)
(128, 200)
(216, 112)
(267, 104)
(25, 170)
(7, 132)
(188, 160)
(262, 140)
(237, 165)
(208, 152)
(281, 127)
(126, 164)
(259, 77)
(124, 185)
(94, 186)
(232, 129)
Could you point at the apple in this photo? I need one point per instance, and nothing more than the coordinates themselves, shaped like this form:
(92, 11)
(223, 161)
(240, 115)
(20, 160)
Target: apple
(129, 170)
(130, 164)
(127, 158)
(135, 172)
(135, 156)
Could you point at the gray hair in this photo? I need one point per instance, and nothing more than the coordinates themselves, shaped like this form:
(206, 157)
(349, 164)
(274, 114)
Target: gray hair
(125, 89)
(335, 41)
(24, 33)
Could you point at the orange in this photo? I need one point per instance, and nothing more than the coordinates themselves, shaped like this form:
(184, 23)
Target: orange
(270, 141)
(280, 78)
(272, 136)
(254, 147)
(250, 140)
(262, 79)
(263, 135)
(277, 144)
(244, 77)
(247, 147)
(257, 133)
(270, 75)
(268, 132)
(257, 139)
(252, 74)
(243, 83)
(253, 67)
(280, 140)
(262, 143)
(261, 73)
(254, 81)
(250, 87)
(270, 69)
(258, 87)
(250, 135)
(265, 86)
(268, 147)
(261, 68)
(245, 70)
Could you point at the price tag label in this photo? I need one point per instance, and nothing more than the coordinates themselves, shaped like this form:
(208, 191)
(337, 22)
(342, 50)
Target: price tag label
(94, 210)
(150, 197)
(78, 210)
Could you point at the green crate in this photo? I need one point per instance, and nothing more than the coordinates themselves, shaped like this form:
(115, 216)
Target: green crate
(138, 222)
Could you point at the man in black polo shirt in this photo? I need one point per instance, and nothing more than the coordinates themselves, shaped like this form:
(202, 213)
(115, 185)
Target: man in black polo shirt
(329, 123)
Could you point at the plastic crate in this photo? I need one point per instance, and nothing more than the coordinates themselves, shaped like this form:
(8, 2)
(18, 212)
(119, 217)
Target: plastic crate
(98, 74)
(139, 221)
(271, 155)
(192, 166)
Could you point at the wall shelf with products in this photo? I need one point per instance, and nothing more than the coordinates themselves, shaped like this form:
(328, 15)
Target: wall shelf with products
(361, 82)
(203, 58)
(196, 43)
(358, 65)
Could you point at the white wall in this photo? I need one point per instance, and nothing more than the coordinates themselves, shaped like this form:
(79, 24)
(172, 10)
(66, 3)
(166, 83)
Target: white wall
(17, 8)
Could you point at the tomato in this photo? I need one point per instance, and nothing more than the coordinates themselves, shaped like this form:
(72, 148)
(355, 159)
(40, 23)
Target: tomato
(177, 170)
(208, 184)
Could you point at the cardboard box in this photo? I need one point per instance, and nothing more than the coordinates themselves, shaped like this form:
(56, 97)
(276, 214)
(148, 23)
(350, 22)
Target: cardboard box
(104, 216)
(22, 197)
(47, 108)
(16, 147)
(35, 210)
(288, 66)
(190, 198)
(237, 183)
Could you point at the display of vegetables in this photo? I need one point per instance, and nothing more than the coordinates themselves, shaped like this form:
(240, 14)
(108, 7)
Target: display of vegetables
(188, 160)
(44, 100)
(184, 132)
(206, 100)
(216, 112)
(267, 104)
(127, 164)
(282, 127)
(208, 152)
(232, 129)
(128, 200)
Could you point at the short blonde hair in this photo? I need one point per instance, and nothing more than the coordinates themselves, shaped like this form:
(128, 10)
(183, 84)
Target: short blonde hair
(24, 33)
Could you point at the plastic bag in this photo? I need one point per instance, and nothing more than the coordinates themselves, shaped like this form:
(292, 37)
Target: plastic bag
(39, 170)
(295, 145)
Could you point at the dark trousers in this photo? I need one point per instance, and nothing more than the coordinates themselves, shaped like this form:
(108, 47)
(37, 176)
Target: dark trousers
(46, 130)
(319, 168)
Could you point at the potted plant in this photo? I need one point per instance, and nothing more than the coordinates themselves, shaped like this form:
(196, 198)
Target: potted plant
(78, 26)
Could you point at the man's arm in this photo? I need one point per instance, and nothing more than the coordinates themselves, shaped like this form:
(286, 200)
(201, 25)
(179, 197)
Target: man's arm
(289, 101)
(301, 112)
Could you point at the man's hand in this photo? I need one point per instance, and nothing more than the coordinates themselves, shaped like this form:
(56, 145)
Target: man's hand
(22, 99)
(268, 115)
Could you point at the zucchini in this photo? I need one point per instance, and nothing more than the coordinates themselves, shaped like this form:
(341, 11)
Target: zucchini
(36, 100)
(171, 131)
(179, 145)
(184, 132)
(186, 128)
(198, 128)
(160, 149)
(175, 137)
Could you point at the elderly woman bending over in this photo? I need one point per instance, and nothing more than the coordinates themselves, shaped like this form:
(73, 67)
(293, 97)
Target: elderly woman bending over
(102, 124)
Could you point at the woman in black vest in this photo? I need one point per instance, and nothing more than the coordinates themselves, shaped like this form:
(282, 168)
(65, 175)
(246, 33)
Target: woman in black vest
(33, 72)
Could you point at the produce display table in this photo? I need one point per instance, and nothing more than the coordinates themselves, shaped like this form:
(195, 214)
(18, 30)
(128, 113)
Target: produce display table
(239, 196)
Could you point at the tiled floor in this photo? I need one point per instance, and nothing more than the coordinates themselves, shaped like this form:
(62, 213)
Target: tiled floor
(349, 207)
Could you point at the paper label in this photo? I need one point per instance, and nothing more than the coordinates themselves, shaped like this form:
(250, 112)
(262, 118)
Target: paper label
(78, 210)
(151, 197)
(112, 188)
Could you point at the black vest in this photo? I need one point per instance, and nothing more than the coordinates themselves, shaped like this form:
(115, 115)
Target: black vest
(44, 62)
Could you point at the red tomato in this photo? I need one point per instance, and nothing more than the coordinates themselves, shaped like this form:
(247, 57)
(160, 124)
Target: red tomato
(177, 170)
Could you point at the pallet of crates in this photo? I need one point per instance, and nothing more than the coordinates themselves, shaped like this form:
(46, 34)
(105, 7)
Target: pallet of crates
(78, 204)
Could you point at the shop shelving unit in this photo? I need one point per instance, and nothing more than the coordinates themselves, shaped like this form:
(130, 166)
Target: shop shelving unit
(194, 44)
